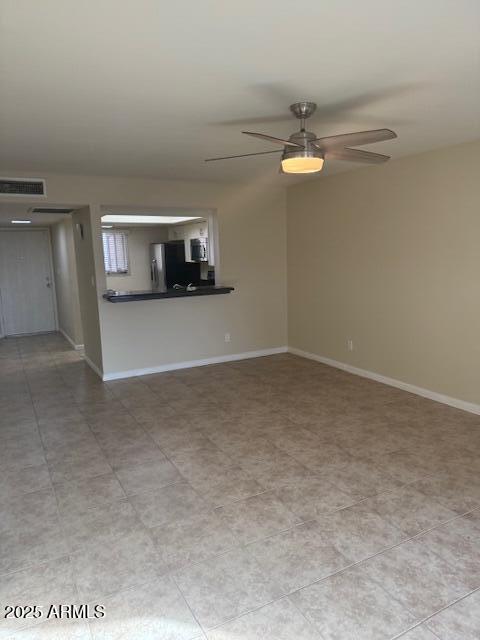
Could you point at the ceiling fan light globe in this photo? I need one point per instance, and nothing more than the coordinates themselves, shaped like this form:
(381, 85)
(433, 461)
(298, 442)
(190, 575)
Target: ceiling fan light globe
(302, 164)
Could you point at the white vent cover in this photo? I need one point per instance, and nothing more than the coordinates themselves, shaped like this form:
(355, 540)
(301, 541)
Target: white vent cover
(23, 187)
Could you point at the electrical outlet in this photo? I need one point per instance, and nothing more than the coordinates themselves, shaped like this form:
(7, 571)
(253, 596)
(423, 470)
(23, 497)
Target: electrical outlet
(227, 337)
(350, 344)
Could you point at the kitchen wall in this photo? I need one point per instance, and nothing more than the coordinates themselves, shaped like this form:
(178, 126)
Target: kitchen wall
(66, 286)
(139, 240)
(389, 257)
(139, 335)
(188, 231)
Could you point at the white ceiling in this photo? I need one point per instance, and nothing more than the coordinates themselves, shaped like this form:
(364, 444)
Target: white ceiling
(147, 88)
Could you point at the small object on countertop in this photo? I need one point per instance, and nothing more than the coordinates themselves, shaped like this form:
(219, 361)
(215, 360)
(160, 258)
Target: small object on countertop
(190, 287)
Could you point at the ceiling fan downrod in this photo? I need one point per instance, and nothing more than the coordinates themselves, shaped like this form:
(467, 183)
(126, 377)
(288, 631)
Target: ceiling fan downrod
(302, 111)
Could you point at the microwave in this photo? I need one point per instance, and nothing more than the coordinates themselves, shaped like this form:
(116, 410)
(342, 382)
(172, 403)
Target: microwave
(199, 249)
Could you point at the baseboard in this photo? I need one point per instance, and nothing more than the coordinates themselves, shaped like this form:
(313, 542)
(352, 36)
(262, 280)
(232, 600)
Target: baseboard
(392, 382)
(77, 347)
(93, 366)
(117, 375)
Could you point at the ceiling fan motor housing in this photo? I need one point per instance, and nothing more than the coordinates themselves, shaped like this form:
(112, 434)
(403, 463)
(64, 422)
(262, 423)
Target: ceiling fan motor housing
(305, 138)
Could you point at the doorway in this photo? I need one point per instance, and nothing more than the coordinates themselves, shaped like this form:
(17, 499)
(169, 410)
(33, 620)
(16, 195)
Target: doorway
(27, 299)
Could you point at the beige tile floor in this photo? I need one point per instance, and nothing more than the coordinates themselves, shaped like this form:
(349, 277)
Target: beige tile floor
(274, 498)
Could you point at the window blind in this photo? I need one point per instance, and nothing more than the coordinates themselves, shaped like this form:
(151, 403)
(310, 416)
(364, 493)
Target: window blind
(115, 251)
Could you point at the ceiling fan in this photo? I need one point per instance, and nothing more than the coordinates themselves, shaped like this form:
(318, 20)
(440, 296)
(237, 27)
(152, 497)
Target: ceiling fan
(303, 152)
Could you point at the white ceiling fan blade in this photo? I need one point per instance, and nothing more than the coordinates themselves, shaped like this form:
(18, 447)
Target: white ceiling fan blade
(357, 138)
(284, 143)
(355, 155)
(243, 155)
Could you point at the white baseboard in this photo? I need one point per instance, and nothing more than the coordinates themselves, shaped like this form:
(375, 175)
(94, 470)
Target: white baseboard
(392, 382)
(77, 347)
(93, 366)
(117, 375)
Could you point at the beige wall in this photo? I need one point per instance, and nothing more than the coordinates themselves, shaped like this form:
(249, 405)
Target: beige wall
(389, 257)
(251, 228)
(139, 240)
(66, 286)
(87, 268)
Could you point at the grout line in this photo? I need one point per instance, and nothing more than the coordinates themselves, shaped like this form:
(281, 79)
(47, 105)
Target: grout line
(340, 571)
(187, 604)
(398, 544)
(426, 619)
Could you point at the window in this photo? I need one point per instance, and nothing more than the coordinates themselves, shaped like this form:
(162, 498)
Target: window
(115, 252)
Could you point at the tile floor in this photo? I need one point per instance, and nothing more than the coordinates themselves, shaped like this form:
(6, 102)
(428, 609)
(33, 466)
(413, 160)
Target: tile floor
(273, 498)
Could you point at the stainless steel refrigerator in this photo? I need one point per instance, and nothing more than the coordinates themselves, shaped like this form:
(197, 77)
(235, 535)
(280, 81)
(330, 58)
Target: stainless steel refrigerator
(158, 272)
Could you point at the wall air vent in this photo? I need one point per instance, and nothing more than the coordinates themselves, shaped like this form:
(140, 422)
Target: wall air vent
(50, 210)
(22, 187)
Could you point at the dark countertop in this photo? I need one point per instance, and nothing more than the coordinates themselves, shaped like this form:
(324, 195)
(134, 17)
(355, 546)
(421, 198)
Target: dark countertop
(131, 296)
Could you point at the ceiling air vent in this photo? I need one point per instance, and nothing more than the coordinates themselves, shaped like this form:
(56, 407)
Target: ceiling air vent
(22, 187)
(50, 210)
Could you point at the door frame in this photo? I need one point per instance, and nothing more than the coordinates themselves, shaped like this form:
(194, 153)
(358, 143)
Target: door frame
(52, 271)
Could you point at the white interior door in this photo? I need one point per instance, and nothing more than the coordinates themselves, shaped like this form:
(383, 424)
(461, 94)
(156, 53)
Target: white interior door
(26, 286)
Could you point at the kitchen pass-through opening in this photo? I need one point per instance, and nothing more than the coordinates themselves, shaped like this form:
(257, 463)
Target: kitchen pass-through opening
(159, 250)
